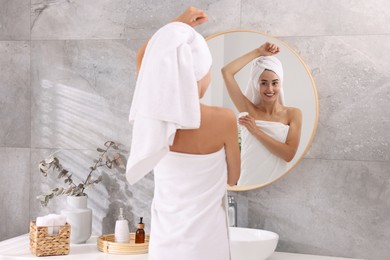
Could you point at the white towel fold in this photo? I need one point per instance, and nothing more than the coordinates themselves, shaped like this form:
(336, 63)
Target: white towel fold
(258, 66)
(166, 95)
(52, 221)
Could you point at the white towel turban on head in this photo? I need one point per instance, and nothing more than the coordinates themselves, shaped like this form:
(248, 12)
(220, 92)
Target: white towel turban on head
(258, 66)
(166, 96)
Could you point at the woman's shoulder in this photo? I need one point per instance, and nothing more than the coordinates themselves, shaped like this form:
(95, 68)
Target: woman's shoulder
(293, 112)
(220, 114)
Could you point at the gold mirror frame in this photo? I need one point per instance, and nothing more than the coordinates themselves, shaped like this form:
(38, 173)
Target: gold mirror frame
(301, 156)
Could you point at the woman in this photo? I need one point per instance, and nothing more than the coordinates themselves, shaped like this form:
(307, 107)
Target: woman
(191, 147)
(271, 130)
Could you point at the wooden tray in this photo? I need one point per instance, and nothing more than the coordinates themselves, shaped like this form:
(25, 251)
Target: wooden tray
(107, 244)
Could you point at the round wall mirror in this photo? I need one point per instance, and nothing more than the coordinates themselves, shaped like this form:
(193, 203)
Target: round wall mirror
(298, 85)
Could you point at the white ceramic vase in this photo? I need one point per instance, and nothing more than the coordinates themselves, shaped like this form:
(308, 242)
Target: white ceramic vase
(80, 219)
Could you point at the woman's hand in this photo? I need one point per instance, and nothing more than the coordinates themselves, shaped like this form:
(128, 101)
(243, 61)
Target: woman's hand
(192, 16)
(249, 123)
(268, 49)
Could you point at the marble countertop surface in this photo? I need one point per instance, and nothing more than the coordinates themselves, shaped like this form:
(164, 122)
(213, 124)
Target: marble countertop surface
(18, 248)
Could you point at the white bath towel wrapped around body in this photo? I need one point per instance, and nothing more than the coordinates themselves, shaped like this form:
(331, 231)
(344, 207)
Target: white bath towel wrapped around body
(258, 164)
(189, 208)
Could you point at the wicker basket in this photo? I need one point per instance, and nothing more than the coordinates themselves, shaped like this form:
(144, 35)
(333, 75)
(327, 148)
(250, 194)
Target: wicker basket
(107, 244)
(43, 244)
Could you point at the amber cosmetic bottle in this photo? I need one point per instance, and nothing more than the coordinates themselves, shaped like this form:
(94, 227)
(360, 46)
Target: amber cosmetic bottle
(140, 233)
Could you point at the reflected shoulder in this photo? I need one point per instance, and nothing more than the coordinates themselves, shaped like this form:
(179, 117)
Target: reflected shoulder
(294, 112)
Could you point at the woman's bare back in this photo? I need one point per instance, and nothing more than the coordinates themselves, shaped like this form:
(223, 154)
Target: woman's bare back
(218, 129)
(210, 137)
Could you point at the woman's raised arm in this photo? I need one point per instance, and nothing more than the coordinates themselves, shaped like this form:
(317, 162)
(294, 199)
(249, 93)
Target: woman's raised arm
(241, 102)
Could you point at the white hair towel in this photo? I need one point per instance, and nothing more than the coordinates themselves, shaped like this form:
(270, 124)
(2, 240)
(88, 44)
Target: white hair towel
(258, 66)
(166, 96)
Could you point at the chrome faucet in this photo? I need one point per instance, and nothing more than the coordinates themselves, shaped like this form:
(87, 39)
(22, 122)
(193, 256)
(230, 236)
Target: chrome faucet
(232, 211)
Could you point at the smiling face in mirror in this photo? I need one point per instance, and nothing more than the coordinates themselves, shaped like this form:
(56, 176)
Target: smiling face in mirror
(269, 86)
(276, 90)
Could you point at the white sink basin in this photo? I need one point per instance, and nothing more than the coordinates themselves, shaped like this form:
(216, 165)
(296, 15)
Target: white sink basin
(252, 244)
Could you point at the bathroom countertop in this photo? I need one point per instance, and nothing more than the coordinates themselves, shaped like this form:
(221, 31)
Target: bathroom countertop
(18, 248)
(291, 256)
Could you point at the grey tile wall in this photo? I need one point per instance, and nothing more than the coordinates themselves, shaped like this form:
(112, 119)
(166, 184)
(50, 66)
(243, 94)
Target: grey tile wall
(81, 92)
(14, 20)
(314, 18)
(148, 17)
(91, 19)
(15, 93)
(80, 55)
(14, 191)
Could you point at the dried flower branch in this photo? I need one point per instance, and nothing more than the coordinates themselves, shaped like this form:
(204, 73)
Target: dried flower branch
(53, 164)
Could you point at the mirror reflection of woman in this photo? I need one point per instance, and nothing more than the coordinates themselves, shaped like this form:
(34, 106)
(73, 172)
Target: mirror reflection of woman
(270, 132)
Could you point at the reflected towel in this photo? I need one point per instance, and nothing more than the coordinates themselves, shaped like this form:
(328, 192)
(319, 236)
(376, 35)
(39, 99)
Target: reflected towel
(258, 164)
(258, 66)
(166, 95)
(189, 212)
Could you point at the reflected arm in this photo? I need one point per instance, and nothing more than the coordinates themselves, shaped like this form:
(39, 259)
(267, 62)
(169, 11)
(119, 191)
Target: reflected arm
(287, 150)
(241, 102)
